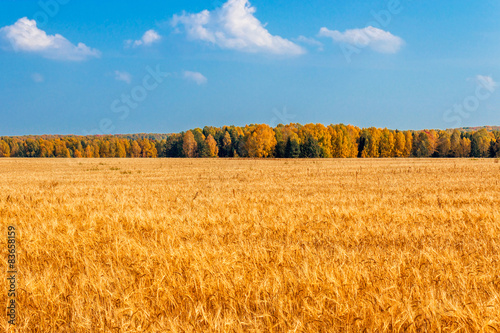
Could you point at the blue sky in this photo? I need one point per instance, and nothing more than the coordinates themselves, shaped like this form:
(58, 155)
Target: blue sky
(91, 67)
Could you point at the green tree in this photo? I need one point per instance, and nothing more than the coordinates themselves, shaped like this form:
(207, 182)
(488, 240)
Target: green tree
(480, 143)
(310, 148)
(421, 145)
(292, 149)
(227, 147)
(173, 146)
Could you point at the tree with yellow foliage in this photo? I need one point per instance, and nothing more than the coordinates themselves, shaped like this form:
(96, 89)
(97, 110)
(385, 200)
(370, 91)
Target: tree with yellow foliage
(212, 146)
(4, 149)
(408, 144)
(399, 144)
(386, 144)
(189, 145)
(260, 141)
(135, 150)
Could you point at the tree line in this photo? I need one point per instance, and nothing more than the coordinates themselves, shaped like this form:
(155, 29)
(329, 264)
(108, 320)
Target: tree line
(262, 141)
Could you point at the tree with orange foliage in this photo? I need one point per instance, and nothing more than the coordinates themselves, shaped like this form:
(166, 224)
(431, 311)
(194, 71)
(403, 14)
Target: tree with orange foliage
(147, 148)
(260, 141)
(135, 150)
(189, 145)
(408, 144)
(4, 149)
(212, 146)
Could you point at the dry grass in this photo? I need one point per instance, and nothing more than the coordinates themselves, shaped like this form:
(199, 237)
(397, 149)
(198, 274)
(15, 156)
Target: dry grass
(255, 246)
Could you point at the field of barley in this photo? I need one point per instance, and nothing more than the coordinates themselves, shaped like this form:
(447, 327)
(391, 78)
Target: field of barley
(215, 245)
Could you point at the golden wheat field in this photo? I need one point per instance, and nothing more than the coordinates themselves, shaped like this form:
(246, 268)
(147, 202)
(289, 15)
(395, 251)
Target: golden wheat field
(214, 245)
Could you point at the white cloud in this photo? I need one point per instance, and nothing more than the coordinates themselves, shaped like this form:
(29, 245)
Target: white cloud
(234, 26)
(487, 82)
(37, 77)
(195, 77)
(147, 39)
(310, 41)
(24, 36)
(374, 38)
(123, 76)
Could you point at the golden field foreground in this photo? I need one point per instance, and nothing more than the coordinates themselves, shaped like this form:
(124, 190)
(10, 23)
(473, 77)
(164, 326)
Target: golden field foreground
(213, 245)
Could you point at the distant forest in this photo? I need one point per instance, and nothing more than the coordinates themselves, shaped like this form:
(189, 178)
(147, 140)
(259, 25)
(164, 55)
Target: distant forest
(263, 141)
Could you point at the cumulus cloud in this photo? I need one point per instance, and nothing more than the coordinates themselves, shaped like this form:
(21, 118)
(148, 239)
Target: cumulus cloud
(24, 36)
(234, 26)
(123, 76)
(378, 40)
(150, 37)
(311, 42)
(196, 77)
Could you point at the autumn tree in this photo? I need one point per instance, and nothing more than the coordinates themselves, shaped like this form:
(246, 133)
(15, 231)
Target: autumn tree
(320, 134)
(189, 145)
(32, 148)
(121, 150)
(104, 148)
(202, 147)
(455, 143)
(480, 143)
(399, 144)
(495, 148)
(88, 152)
(4, 149)
(421, 145)
(260, 141)
(408, 144)
(135, 150)
(433, 137)
(227, 147)
(444, 144)
(465, 147)
(386, 144)
(60, 149)
(283, 133)
(212, 146)
(148, 149)
(340, 144)
(369, 143)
